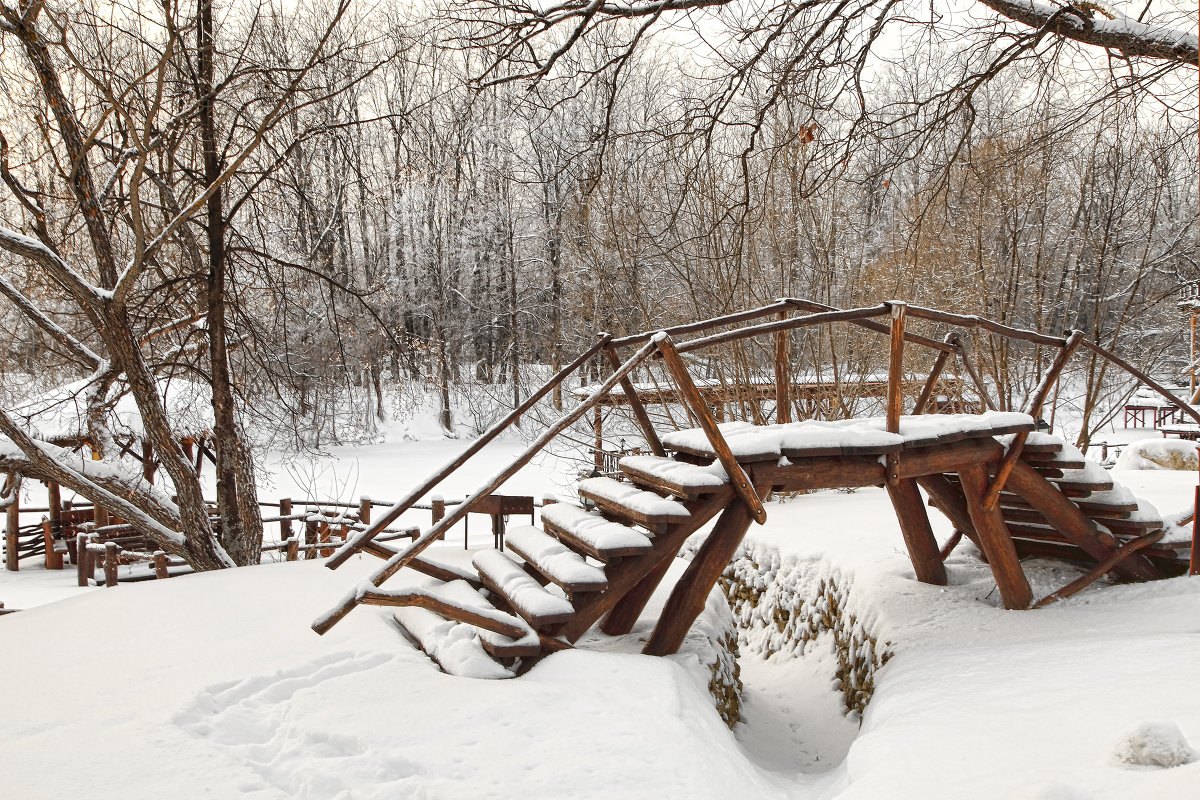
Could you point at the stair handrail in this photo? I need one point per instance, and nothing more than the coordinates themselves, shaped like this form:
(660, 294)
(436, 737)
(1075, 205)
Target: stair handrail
(364, 538)
(404, 557)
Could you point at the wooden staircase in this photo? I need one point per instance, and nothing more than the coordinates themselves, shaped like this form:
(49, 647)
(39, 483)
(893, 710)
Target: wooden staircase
(557, 580)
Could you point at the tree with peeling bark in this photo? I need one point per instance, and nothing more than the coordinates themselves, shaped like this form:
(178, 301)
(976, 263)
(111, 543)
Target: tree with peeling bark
(138, 122)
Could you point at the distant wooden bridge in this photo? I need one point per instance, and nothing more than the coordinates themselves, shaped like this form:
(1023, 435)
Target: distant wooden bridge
(1009, 488)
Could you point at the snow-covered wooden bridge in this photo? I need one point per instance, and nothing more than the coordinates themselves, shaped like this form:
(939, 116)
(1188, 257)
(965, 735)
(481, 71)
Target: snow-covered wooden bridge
(1009, 488)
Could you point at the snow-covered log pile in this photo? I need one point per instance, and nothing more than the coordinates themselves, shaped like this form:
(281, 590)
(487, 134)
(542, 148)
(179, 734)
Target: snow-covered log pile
(783, 607)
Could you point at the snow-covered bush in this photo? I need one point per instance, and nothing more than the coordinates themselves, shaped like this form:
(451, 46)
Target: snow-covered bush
(1159, 454)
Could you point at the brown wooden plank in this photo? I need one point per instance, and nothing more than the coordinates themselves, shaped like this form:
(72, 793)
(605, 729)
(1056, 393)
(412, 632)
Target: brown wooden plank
(918, 535)
(1107, 510)
(585, 548)
(1034, 409)
(635, 405)
(995, 540)
(661, 485)
(624, 515)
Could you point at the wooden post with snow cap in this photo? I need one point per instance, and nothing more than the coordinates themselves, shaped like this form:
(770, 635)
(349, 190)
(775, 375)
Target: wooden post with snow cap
(160, 565)
(737, 476)
(364, 510)
(111, 559)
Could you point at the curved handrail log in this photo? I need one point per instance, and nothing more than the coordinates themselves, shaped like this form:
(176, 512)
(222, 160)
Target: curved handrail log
(419, 545)
(704, 324)
(359, 541)
(846, 315)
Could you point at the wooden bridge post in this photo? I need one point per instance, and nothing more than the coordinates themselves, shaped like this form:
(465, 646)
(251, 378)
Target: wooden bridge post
(310, 538)
(598, 430)
(918, 535)
(995, 540)
(364, 510)
(160, 565)
(783, 380)
(895, 387)
(688, 597)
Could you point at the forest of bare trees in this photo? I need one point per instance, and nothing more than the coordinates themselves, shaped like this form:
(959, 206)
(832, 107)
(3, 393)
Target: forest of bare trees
(326, 210)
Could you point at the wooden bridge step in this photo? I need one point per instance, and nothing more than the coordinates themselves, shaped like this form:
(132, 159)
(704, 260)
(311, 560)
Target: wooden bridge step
(1052, 460)
(555, 561)
(673, 477)
(1116, 526)
(451, 645)
(531, 601)
(591, 534)
(632, 504)
(1110, 510)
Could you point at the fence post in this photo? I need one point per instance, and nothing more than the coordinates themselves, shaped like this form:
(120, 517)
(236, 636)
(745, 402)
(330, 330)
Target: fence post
(13, 527)
(293, 548)
(81, 558)
(310, 538)
(110, 563)
(438, 504)
(54, 559)
(160, 565)
(285, 525)
(364, 510)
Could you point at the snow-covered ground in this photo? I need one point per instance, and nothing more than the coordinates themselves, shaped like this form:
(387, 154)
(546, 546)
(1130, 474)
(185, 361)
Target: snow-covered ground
(214, 686)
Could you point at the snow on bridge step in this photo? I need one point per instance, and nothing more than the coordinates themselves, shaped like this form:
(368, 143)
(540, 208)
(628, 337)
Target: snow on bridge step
(629, 503)
(532, 602)
(591, 534)
(673, 477)
(555, 561)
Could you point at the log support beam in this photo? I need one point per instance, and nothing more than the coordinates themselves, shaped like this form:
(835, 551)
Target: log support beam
(918, 535)
(691, 592)
(995, 540)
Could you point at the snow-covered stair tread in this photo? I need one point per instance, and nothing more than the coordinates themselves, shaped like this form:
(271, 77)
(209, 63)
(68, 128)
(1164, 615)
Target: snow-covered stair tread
(629, 502)
(676, 477)
(1092, 476)
(454, 647)
(592, 534)
(554, 560)
(455, 600)
(529, 598)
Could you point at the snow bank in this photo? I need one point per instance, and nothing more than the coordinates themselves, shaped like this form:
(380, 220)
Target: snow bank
(1177, 454)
